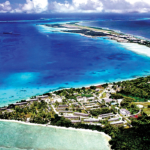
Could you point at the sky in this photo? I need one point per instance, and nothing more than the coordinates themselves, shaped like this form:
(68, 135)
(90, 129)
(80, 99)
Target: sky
(74, 6)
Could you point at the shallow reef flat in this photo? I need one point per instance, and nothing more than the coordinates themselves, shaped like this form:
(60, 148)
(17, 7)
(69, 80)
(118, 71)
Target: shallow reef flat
(15, 136)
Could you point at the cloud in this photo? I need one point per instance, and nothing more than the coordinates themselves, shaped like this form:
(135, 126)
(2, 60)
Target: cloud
(40, 5)
(28, 7)
(61, 7)
(116, 6)
(32, 6)
(88, 5)
(138, 1)
(5, 7)
(123, 6)
(77, 6)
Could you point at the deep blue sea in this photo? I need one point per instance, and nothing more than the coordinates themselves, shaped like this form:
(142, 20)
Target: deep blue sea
(34, 60)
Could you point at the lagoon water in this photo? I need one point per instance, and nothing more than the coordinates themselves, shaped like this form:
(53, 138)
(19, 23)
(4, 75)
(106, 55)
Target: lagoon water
(37, 59)
(18, 136)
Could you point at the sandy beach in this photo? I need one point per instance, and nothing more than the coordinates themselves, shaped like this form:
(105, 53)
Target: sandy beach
(50, 126)
(139, 49)
(135, 47)
(36, 136)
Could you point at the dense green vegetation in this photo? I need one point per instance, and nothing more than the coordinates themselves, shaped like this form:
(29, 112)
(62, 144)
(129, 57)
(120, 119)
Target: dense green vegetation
(61, 121)
(38, 112)
(127, 103)
(135, 138)
(87, 32)
(96, 112)
(116, 96)
(69, 93)
(139, 89)
(86, 95)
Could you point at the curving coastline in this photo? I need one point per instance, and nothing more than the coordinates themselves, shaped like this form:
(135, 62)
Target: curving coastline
(50, 126)
(139, 49)
(52, 132)
(130, 42)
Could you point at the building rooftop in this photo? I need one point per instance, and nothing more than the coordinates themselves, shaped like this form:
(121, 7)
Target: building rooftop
(124, 112)
(80, 114)
(4, 108)
(63, 106)
(90, 98)
(65, 111)
(30, 100)
(75, 121)
(108, 114)
(20, 103)
(108, 100)
(71, 116)
(91, 120)
(113, 119)
(42, 96)
(89, 106)
(117, 122)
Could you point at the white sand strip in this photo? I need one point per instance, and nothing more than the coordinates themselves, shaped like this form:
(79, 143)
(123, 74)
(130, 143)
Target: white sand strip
(70, 128)
(139, 49)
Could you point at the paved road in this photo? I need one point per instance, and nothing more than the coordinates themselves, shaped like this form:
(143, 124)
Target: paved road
(54, 109)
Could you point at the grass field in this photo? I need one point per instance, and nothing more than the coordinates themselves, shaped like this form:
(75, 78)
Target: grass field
(145, 106)
(103, 95)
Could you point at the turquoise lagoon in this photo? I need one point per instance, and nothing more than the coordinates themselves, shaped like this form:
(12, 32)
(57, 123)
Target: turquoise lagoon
(61, 60)
(38, 59)
(19, 136)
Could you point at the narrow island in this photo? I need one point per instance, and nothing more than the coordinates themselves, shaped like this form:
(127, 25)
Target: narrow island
(99, 32)
(120, 110)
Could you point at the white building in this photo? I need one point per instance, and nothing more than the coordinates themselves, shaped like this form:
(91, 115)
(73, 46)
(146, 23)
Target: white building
(42, 97)
(140, 106)
(81, 99)
(113, 119)
(58, 99)
(107, 100)
(124, 112)
(88, 107)
(90, 98)
(91, 120)
(117, 122)
(81, 114)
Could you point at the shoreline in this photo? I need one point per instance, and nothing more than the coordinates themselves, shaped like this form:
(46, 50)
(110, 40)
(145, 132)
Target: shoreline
(93, 84)
(134, 47)
(58, 127)
(130, 42)
(87, 86)
(108, 28)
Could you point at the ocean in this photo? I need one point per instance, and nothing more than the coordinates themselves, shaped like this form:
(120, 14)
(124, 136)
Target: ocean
(35, 59)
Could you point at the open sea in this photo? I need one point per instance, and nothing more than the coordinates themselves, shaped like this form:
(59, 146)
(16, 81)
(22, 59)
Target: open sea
(35, 59)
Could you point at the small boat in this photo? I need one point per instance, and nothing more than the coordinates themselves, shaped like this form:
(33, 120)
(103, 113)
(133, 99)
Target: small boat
(7, 32)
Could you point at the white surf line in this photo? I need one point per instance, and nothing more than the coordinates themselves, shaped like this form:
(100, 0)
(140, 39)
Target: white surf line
(57, 127)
